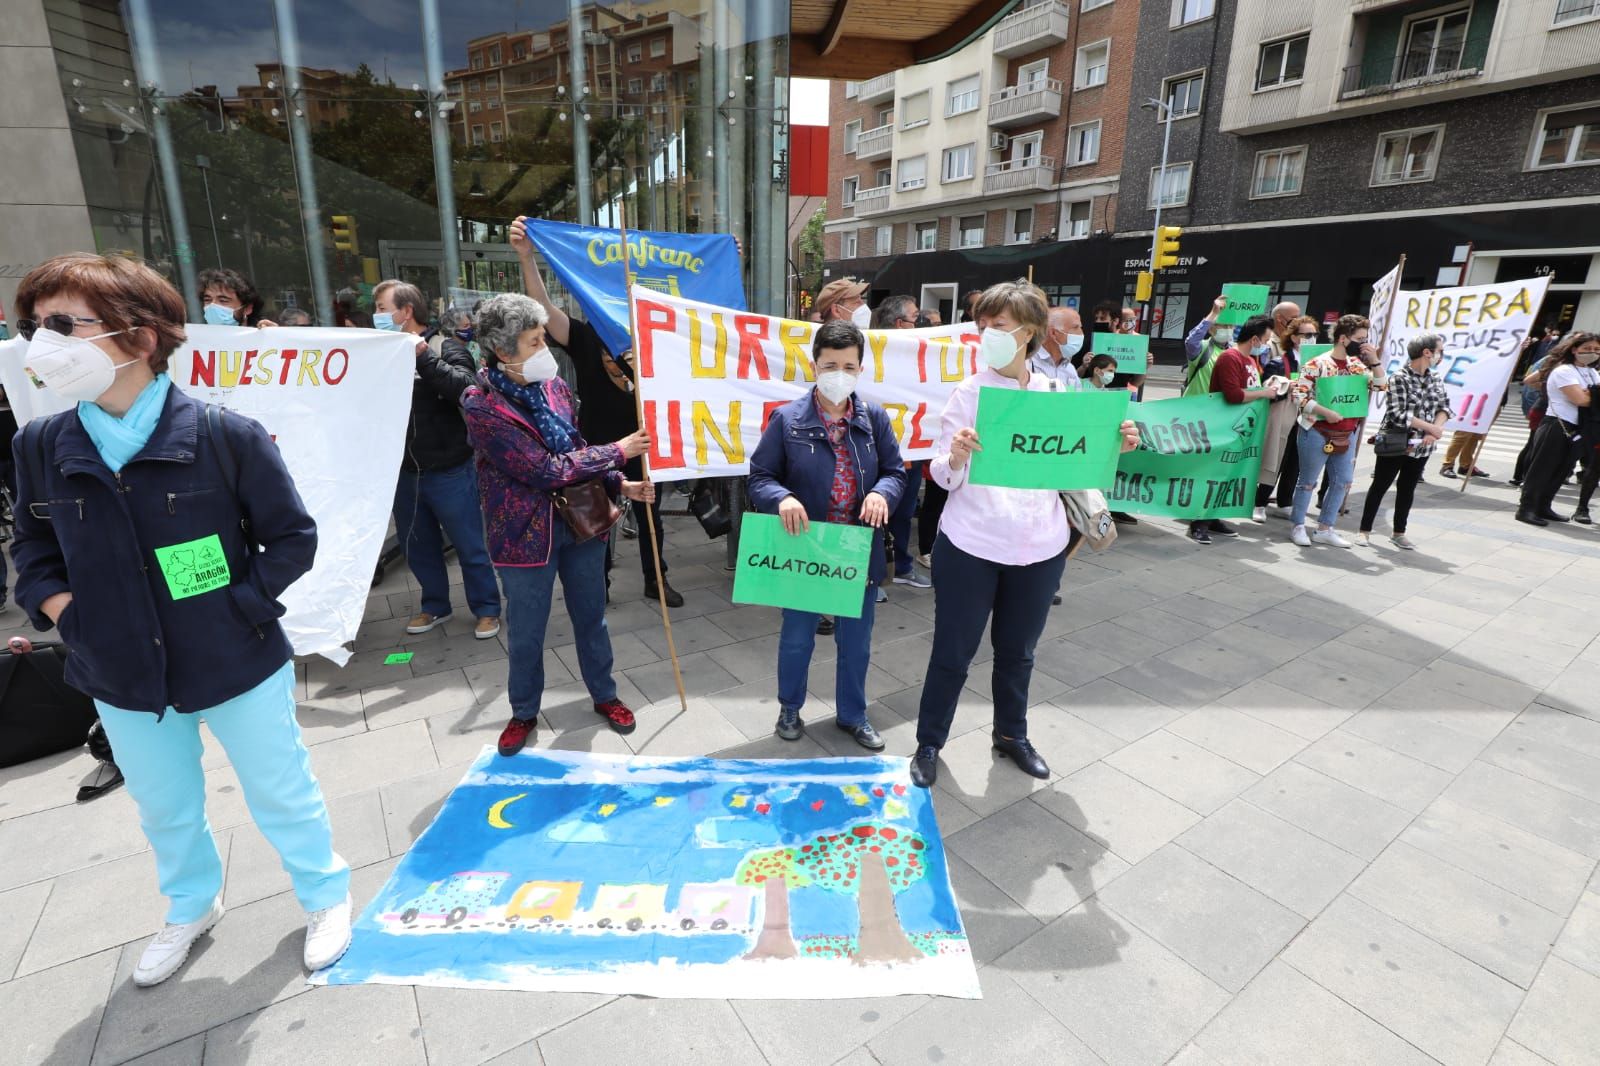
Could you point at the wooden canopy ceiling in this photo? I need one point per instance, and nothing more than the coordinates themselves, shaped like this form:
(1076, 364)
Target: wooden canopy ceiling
(860, 39)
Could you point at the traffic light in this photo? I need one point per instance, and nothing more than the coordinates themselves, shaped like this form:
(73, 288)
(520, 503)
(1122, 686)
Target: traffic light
(344, 234)
(1146, 287)
(1166, 247)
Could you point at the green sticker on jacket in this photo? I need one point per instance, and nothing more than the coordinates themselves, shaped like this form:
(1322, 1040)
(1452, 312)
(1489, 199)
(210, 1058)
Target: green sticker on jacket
(193, 567)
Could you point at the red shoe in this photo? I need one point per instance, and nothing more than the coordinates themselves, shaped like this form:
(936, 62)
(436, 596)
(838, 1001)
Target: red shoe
(515, 735)
(616, 712)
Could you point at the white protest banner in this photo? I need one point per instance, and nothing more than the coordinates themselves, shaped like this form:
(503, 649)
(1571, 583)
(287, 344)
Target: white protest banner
(1483, 327)
(712, 376)
(336, 401)
(1382, 305)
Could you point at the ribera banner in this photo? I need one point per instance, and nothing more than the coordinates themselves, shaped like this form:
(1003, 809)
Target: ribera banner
(588, 260)
(336, 401)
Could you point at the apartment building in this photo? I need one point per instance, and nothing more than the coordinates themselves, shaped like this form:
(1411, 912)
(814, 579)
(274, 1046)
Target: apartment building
(1314, 141)
(1013, 143)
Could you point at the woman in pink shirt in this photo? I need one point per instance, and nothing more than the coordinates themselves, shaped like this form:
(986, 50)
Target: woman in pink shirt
(1000, 551)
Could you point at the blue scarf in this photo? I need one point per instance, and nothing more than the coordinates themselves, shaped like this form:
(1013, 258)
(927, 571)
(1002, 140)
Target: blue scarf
(119, 439)
(559, 435)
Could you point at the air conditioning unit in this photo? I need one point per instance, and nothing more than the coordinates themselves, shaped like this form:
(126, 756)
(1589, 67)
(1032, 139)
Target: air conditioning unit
(999, 142)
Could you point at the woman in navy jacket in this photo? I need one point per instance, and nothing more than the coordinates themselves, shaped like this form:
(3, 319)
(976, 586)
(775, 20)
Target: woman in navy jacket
(158, 534)
(830, 456)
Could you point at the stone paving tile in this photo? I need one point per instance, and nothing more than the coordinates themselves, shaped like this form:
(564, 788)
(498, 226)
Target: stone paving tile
(1166, 682)
(1551, 726)
(701, 677)
(1293, 712)
(688, 1032)
(1427, 995)
(802, 1032)
(1510, 1053)
(1006, 1025)
(43, 783)
(470, 1025)
(1284, 1017)
(1501, 932)
(1121, 712)
(78, 921)
(666, 729)
(1238, 737)
(1349, 684)
(53, 1016)
(1580, 940)
(1565, 819)
(317, 1027)
(1554, 764)
(54, 841)
(22, 908)
(1425, 736)
(1358, 762)
(1133, 1002)
(1281, 861)
(1037, 859)
(1353, 820)
(190, 1052)
(1518, 861)
(1219, 925)
(1130, 818)
(372, 759)
(995, 923)
(1183, 771)
(1560, 1019)
(423, 697)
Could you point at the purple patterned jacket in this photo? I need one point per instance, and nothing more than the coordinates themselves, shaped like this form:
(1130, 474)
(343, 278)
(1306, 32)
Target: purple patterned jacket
(517, 473)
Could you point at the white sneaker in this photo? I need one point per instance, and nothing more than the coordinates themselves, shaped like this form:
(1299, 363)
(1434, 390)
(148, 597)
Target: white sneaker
(327, 935)
(1260, 515)
(1363, 540)
(163, 955)
(1299, 536)
(1330, 537)
(1280, 512)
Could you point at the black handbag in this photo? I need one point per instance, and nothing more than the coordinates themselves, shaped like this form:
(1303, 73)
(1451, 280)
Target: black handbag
(707, 508)
(1390, 443)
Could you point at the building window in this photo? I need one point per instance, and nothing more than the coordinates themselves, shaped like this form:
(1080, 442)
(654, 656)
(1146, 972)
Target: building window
(848, 245)
(848, 196)
(1568, 138)
(658, 47)
(1083, 143)
(1407, 156)
(1174, 190)
(1183, 94)
(519, 52)
(494, 56)
(913, 172)
(885, 240)
(1573, 10)
(495, 133)
(969, 232)
(885, 117)
(635, 53)
(493, 103)
(1021, 229)
(657, 82)
(492, 82)
(852, 130)
(1078, 215)
(883, 177)
(1093, 61)
(1282, 62)
(1032, 76)
(1025, 149)
(1434, 44)
(1187, 11)
(474, 105)
(1279, 172)
(1090, 5)
(958, 162)
(477, 135)
(962, 96)
(927, 236)
(636, 85)
(475, 85)
(852, 89)
(914, 110)
(477, 61)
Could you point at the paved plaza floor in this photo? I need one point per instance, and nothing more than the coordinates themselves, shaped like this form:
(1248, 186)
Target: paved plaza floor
(1308, 806)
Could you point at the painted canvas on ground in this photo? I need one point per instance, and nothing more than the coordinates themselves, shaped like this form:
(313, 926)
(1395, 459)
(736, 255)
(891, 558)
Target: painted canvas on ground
(566, 871)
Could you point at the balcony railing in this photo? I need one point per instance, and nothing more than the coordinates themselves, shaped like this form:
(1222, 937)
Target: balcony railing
(1019, 175)
(874, 89)
(875, 143)
(1017, 105)
(1031, 29)
(1415, 68)
(872, 201)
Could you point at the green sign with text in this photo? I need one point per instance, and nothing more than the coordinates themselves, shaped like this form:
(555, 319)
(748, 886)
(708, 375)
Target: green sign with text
(1198, 457)
(1345, 394)
(823, 570)
(1130, 350)
(1048, 440)
(1244, 301)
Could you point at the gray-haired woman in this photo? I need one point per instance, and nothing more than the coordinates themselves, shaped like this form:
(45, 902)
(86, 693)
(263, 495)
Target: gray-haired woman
(520, 423)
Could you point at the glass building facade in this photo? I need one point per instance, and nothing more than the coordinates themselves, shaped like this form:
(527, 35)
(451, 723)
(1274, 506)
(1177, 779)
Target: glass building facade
(318, 146)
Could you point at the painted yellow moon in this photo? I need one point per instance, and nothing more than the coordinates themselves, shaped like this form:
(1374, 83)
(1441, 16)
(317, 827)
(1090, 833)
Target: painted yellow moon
(497, 812)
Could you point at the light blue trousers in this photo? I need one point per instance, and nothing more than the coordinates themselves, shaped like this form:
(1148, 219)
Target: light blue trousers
(160, 760)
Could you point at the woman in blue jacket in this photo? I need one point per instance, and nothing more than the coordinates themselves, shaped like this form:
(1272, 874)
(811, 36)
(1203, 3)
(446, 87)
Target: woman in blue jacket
(830, 456)
(157, 534)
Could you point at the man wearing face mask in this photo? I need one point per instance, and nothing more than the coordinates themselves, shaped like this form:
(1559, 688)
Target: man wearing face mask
(228, 299)
(1202, 346)
(845, 301)
(437, 493)
(1063, 342)
(1237, 376)
(829, 456)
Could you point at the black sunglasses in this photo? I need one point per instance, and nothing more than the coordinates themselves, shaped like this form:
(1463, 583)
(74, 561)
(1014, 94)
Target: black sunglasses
(60, 323)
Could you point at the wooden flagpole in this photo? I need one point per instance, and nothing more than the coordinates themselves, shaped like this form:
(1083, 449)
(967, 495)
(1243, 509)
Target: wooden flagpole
(644, 459)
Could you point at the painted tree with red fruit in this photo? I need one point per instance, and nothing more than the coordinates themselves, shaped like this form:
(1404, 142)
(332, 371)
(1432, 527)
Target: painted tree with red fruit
(872, 861)
(775, 872)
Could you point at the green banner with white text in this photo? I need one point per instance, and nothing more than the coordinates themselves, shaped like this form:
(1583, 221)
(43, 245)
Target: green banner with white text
(1198, 457)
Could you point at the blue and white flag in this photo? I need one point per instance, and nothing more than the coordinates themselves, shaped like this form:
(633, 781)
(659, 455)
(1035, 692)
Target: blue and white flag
(588, 260)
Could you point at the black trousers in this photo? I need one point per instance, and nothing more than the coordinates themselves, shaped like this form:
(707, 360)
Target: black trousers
(933, 497)
(967, 592)
(633, 470)
(1551, 454)
(1289, 470)
(1591, 477)
(1387, 470)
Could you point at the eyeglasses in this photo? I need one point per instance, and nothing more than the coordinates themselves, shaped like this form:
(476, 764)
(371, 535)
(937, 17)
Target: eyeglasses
(61, 323)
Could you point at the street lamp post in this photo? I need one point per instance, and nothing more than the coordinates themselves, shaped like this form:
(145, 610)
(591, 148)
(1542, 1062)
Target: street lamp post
(1164, 109)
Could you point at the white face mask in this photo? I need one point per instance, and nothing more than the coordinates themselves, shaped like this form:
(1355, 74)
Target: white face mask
(1105, 376)
(1072, 345)
(998, 347)
(73, 366)
(1586, 358)
(836, 386)
(540, 366)
(861, 316)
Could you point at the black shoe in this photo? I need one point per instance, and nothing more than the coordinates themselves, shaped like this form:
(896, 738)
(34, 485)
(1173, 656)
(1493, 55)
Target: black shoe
(1530, 518)
(105, 777)
(1021, 752)
(925, 767)
(1055, 601)
(1515, 482)
(1581, 516)
(789, 725)
(651, 592)
(825, 627)
(864, 734)
(1551, 516)
(1222, 529)
(1199, 534)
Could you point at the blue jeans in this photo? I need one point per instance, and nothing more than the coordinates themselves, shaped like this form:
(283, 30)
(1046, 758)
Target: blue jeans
(582, 569)
(160, 762)
(900, 522)
(1341, 470)
(853, 639)
(445, 499)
